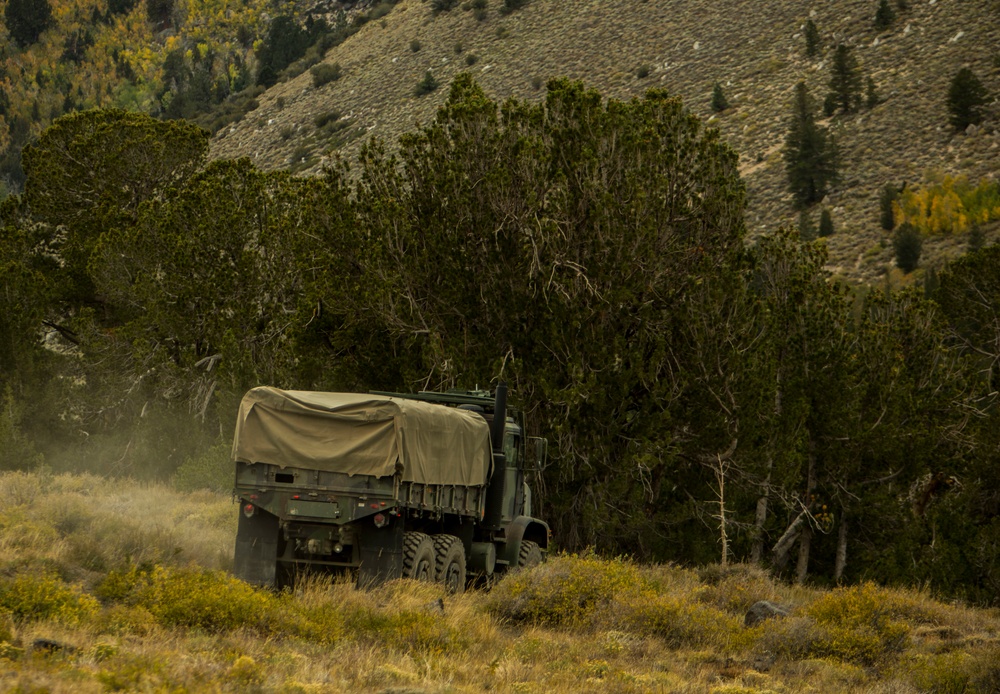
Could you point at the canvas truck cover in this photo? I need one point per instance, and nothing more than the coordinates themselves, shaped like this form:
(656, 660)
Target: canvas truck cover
(359, 434)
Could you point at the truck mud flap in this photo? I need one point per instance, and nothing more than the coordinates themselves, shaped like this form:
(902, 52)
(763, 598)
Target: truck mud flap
(256, 557)
(381, 554)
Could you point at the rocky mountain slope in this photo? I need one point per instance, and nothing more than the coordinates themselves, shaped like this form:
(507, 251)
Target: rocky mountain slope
(755, 50)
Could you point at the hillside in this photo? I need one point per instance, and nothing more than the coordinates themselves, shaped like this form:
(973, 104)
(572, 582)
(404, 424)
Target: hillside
(115, 585)
(756, 53)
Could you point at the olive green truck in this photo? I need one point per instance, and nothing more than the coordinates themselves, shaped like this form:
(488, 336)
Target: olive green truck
(428, 486)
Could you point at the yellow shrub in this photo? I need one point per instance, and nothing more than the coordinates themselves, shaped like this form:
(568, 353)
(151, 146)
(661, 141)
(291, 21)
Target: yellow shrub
(860, 624)
(29, 597)
(565, 590)
(682, 622)
(191, 597)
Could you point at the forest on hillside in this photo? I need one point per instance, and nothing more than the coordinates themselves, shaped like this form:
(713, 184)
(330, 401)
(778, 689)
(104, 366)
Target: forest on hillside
(590, 252)
(201, 60)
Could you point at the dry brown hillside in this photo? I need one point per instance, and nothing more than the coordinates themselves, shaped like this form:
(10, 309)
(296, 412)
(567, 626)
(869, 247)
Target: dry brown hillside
(755, 49)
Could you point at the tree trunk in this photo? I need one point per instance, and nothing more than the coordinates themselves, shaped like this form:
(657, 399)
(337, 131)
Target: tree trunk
(841, 563)
(787, 539)
(757, 549)
(805, 541)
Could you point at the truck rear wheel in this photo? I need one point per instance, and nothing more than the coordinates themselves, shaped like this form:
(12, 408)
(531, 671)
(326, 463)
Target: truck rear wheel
(530, 554)
(418, 557)
(450, 562)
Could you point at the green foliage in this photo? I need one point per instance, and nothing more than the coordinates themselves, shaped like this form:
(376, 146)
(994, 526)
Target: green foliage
(27, 19)
(966, 98)
(810, 154)
(471, 59)
(861, 624)
(415, 45)
(907, 244)
(871, 95)
(286, 42)
(426, 85)
(210, 469)
(17, 451)
(642, 72)
(90, 171)
(884, 15)
(28, 597)
(825, 223)
(845, 79)
(443, 5)
(807, 229)
(512, 5)
(324, 73)
(886, 201)
(719, 102)
(812, 38)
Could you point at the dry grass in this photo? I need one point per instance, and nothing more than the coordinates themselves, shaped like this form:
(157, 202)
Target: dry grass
(161, 616)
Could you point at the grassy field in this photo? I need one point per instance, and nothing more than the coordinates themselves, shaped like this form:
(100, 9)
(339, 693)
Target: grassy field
(122, 586)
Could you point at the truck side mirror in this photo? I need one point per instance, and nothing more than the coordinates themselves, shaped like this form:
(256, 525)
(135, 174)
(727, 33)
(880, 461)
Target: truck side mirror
(541, 452)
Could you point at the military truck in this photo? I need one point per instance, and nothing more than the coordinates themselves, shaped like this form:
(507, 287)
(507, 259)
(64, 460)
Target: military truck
(429, 486)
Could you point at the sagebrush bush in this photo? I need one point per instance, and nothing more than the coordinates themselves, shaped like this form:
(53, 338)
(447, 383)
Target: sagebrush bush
(734, 588)
(565, 590)
(861, 624)
(682, 623)
(325, 73)
(191, 597)
(35, 597)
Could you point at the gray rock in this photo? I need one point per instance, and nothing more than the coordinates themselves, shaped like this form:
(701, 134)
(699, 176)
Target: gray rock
(761, 610)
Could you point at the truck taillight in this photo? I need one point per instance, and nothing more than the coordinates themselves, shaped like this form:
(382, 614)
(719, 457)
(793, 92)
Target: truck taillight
(248, 510)
(381, 520)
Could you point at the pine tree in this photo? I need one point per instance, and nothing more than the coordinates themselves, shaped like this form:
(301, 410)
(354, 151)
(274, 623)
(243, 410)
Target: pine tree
(719, 102)
(825, 223)
(807, 230)
(871, 95)
(812, 39)
(884, 15)
(966, 97)
(888, 196)
(810, 154)
(907, 244)
(845, 78)
(27, 19)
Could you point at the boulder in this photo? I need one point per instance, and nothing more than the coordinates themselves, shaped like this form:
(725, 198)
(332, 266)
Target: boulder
(761, 610)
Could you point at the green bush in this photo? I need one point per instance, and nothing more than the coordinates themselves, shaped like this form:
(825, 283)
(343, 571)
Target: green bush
(212, 469)
(825, 223)
(471, 59)
(426, 85)
(325, 73)
(812, 38)
(415, 45)
(719, 101)
(642, 72)
(884, 15)
(443, 5)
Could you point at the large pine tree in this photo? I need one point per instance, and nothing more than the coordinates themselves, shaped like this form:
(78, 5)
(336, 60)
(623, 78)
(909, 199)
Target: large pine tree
(966, 97)
(810, 153)
(27, 19)
(845, 79)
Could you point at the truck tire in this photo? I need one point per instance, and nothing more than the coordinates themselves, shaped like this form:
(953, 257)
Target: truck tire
(450, 562)
(529, 555)
(418, 557)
